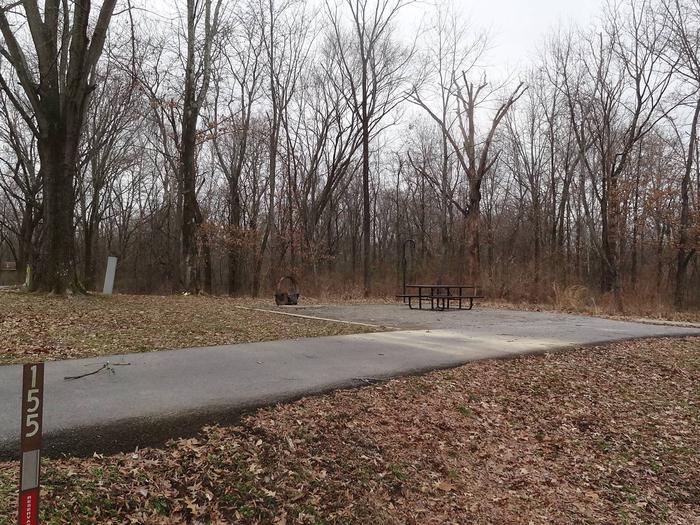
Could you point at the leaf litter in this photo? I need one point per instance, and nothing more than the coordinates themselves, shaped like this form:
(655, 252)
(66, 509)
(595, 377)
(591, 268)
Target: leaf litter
(595, 435)
(47, 328)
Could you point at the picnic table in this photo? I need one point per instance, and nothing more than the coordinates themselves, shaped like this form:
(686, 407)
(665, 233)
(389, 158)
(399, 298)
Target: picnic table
(440, 296)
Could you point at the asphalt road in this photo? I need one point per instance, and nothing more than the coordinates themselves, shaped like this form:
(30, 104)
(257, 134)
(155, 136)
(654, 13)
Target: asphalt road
(161, 395)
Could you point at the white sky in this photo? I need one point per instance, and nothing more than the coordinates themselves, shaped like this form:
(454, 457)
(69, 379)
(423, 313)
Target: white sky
(518, 27)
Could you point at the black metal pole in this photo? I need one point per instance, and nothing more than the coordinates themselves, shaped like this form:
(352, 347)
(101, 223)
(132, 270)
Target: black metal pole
(405, 263)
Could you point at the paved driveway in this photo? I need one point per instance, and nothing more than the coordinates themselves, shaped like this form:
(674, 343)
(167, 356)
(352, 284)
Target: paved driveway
(487, 319)
(167, 394)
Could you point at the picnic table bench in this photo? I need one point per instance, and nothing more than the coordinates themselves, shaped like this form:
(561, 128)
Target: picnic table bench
(441, 296)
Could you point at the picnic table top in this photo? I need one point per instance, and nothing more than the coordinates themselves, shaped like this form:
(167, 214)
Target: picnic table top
(441, 286)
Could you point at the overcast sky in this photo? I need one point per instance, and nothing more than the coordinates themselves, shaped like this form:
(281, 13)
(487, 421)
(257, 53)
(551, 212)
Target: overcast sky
(517, 28)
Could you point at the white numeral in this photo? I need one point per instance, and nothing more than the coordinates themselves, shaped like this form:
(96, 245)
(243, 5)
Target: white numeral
(32, 398)
(30, 423)
(33, 403)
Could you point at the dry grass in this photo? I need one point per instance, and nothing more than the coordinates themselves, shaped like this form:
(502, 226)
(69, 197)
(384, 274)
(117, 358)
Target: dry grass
(637, 314)
(40, 327)
(579, 300)
(575, 437)
(49, 328)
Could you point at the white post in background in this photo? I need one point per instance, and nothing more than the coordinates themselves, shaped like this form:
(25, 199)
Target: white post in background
(109, 275)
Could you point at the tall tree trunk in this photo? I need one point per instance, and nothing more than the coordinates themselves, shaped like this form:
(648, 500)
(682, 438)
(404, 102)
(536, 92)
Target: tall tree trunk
(234, 248)
(635, 233)
(684, 252)
(444, 229)
(196, 70)
(89, 257)
(25, 250)
(208, 264)
(537, 243)
(612, 254)
(366, 218)
(191, 215)
(58, 96)
(54, 269)
(473, 227)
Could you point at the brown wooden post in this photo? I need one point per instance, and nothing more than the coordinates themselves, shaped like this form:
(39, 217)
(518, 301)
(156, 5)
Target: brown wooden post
(32, 412)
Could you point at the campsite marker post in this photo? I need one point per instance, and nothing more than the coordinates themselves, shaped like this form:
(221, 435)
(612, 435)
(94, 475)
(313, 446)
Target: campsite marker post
(109, 276)
(32, 411)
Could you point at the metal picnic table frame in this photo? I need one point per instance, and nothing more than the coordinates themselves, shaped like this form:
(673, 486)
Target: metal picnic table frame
(441, 296)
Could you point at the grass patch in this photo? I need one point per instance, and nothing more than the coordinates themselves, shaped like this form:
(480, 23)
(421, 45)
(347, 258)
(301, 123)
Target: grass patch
(40, 327)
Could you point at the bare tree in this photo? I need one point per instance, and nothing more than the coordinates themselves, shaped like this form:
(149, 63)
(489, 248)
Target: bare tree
(375, 67)
(452, 47)
(198, 72)
(237, 141)
(683, 19)
(286, 27)
(237, 86)
(529, 148)
(57, 93)
(21, 185)
(614, 86)
(473, 151)
(106, 153)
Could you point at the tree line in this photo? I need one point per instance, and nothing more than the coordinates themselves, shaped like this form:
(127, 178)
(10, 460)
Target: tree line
(218, 146)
